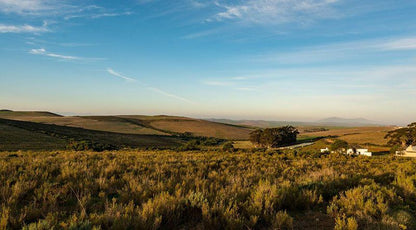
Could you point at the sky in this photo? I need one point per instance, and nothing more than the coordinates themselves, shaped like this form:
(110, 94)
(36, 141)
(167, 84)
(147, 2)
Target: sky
(296, 60)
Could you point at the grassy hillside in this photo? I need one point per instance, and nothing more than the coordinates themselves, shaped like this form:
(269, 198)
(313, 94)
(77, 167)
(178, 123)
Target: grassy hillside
(18, 135)
(136, 124)
(22, 114)
(357, 135)
(107, 127)
(13, 138)
(199, 127)
(104, 123)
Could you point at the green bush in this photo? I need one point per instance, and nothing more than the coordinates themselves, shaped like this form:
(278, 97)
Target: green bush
(89, 145)
(228, 147)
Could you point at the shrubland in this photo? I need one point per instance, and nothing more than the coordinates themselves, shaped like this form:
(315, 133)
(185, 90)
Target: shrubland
(205, 189)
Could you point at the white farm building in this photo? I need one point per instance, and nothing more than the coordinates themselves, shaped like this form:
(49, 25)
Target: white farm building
(409, 152)
(363, 152)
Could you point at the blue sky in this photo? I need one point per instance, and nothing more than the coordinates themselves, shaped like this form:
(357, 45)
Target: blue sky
(253, 59)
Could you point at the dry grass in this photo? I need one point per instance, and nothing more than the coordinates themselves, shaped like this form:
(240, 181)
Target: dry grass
(203, 128)
(243, 144)
(358, 135)
(137, 124)
(93, 124)
(17, 135)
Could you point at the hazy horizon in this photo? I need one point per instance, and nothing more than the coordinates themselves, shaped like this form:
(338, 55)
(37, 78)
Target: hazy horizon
(216, 117)
(300, 60)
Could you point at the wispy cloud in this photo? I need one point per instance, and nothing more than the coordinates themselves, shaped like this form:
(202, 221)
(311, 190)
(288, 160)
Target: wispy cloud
(154, 89)
(246, 88)
(201, 34)
(44, 52)
(97, 15)
(170, 95)
(116, 74)
(217, 83)
(277, 11)
(328, 53)
(58, 9)
(236, 83)
(26, 6)
(400, 44)
(23, 28)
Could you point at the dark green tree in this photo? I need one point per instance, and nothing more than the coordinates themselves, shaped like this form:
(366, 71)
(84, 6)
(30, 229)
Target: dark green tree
(228, 147)
(255, 137)
(402, 137)
(339, 145)
(274, 137)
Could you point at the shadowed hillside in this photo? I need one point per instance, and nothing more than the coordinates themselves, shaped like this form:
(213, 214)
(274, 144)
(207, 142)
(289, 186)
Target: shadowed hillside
(136, 124)
(19, 135)
(195, 126)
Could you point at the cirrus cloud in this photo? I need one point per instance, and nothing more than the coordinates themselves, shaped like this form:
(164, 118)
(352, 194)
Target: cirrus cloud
(277, 11)
(23, 28)
(44, 52)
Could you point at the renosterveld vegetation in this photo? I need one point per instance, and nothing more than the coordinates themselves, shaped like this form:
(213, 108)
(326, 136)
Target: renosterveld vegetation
(205, 190)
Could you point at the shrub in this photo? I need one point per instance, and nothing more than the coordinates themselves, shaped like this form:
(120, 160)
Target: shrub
(343, 223)
(339, 145)
(369, 204)
(143, 189)
(228, 147)
(191, 145)
(89, 145)
(282, 220)
(4, 218)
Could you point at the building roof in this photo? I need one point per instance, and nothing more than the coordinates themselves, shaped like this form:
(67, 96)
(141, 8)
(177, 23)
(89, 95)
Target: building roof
(411, 149)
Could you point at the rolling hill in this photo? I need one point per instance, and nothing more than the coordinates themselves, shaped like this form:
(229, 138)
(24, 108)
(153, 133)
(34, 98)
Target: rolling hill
(54, 130)
(23, 135)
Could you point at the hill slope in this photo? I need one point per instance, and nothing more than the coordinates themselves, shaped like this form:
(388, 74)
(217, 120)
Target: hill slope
(195, 126)
(14, 138)
(20, 135)
(136, 124)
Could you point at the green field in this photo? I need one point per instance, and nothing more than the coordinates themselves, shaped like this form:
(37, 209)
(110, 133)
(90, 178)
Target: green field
(205, 190)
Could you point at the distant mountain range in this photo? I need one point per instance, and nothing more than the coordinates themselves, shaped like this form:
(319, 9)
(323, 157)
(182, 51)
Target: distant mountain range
(348, 121)
(331, 121)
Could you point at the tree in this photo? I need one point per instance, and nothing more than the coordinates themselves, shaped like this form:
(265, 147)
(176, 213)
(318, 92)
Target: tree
(402, 137)
(339, 145)
(228, 147)
(255, 137)
(274, 137)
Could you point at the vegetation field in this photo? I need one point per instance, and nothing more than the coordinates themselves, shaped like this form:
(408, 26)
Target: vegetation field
(204, 128)
(358, 135)
(14, 138)
(205, 190)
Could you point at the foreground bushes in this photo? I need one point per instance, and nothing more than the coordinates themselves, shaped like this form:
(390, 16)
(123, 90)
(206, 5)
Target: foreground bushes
(209, 190)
